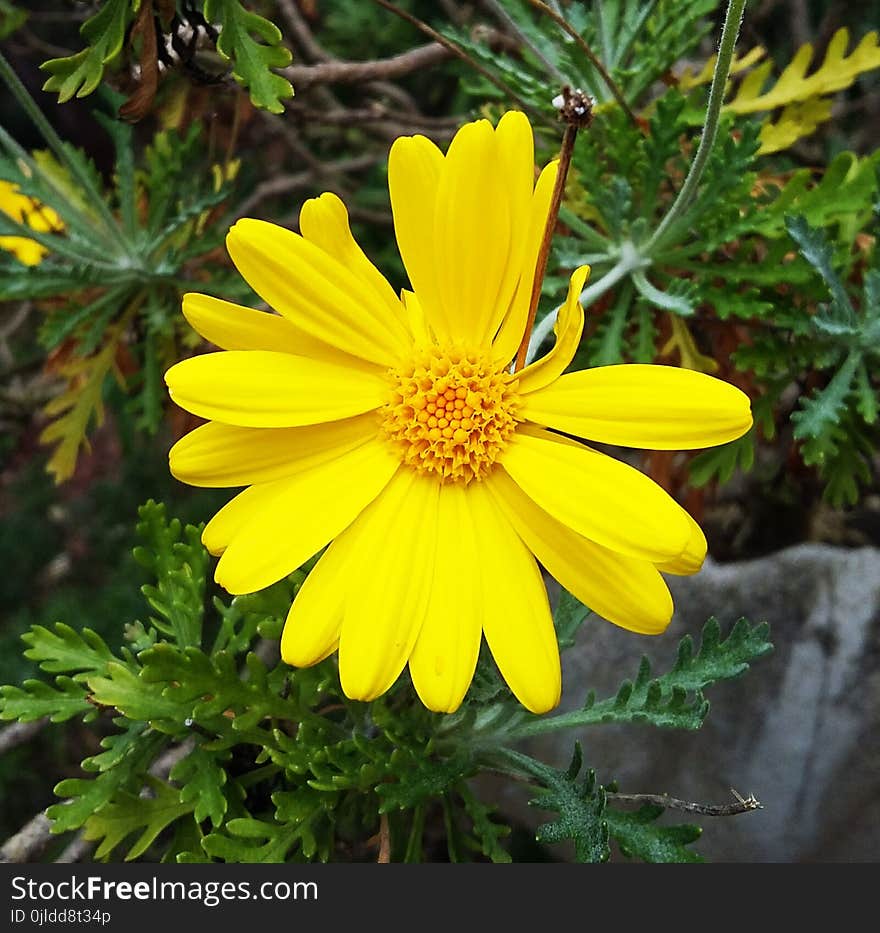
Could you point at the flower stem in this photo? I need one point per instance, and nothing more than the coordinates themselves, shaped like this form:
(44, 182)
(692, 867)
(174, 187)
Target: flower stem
(568, 141)
(729, 33)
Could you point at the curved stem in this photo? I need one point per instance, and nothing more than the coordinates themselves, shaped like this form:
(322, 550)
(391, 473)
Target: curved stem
(729, 33)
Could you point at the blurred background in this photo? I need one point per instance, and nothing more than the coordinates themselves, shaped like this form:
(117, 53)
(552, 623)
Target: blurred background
(801, 732)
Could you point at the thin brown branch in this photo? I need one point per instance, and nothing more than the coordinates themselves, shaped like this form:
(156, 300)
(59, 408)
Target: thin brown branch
(76, 851)
(339, 72)
(742, 804)
(29, 842)
(299, 27)
(563, 23)
(384, 841)
(19, 733)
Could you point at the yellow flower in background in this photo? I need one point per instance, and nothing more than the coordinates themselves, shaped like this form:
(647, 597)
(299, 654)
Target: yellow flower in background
(393, 430)
(26, 210)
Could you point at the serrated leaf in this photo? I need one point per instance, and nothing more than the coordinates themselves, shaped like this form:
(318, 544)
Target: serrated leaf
(796, 121)
(81, 73)
(203, 782)
(675, 699)
(640, 836)
(131, 756)
(820, 412)
(76, 408)
(569, 615)
(129, 813)
(581, 809)
(488, 832)
(837, 72)
(36, 699)
(66, 650)
(720, 463)
(254, 47)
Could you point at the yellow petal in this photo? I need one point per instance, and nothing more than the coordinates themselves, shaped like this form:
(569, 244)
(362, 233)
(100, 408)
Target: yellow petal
(311, 631)
(388, 585)
(630, 593)
(314, 291)
(638, 405)
(445, 655)
(223, 527)
(516, 614)
(26, 251)
(306, 512)
(324, 222)
(513, 326)
(569, 327)
(516, 169)
(262, 389)
(414, 167)
(598, 497)
(224, 455)
(472, 237)
(691, 559)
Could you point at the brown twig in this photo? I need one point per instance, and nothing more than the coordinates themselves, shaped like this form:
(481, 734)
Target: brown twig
(29, 842)
(301, 31)
(384, 840)
(577, 112)
(563, 23)
(742, 805)
(19, 733)
(340, 72)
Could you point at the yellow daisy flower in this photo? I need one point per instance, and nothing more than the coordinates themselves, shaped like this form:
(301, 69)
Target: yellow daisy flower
(25, 210)
(393, 429)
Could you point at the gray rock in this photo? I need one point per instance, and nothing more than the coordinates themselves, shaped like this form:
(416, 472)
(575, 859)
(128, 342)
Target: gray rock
(800, 730)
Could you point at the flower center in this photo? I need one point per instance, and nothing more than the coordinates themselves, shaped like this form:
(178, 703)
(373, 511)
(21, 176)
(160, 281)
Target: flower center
(451, 412)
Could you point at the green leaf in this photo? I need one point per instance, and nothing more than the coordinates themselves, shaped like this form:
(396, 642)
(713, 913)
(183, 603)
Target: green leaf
(136, 698)
(66, 650)
(488, 832)
(822, 411)
(581, 808)
(569, 616)
(130, 813)
(720, 463)
(125, 763)
(640, 836)
(81, 73)
(253, 45)
(249, 840)
(675, 699)
(422, 777)
(203, 781)
(179, 562)
(815, 248)
(36, 699)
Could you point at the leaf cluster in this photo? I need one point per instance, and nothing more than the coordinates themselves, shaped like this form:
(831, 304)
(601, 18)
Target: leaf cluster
(118, 259)
(250, 44)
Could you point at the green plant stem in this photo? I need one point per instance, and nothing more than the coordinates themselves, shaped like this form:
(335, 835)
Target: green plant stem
(729, 34)
(36, 115)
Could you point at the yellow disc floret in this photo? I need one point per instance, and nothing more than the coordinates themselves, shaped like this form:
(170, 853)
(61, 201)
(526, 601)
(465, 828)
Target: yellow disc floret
(451, 412)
